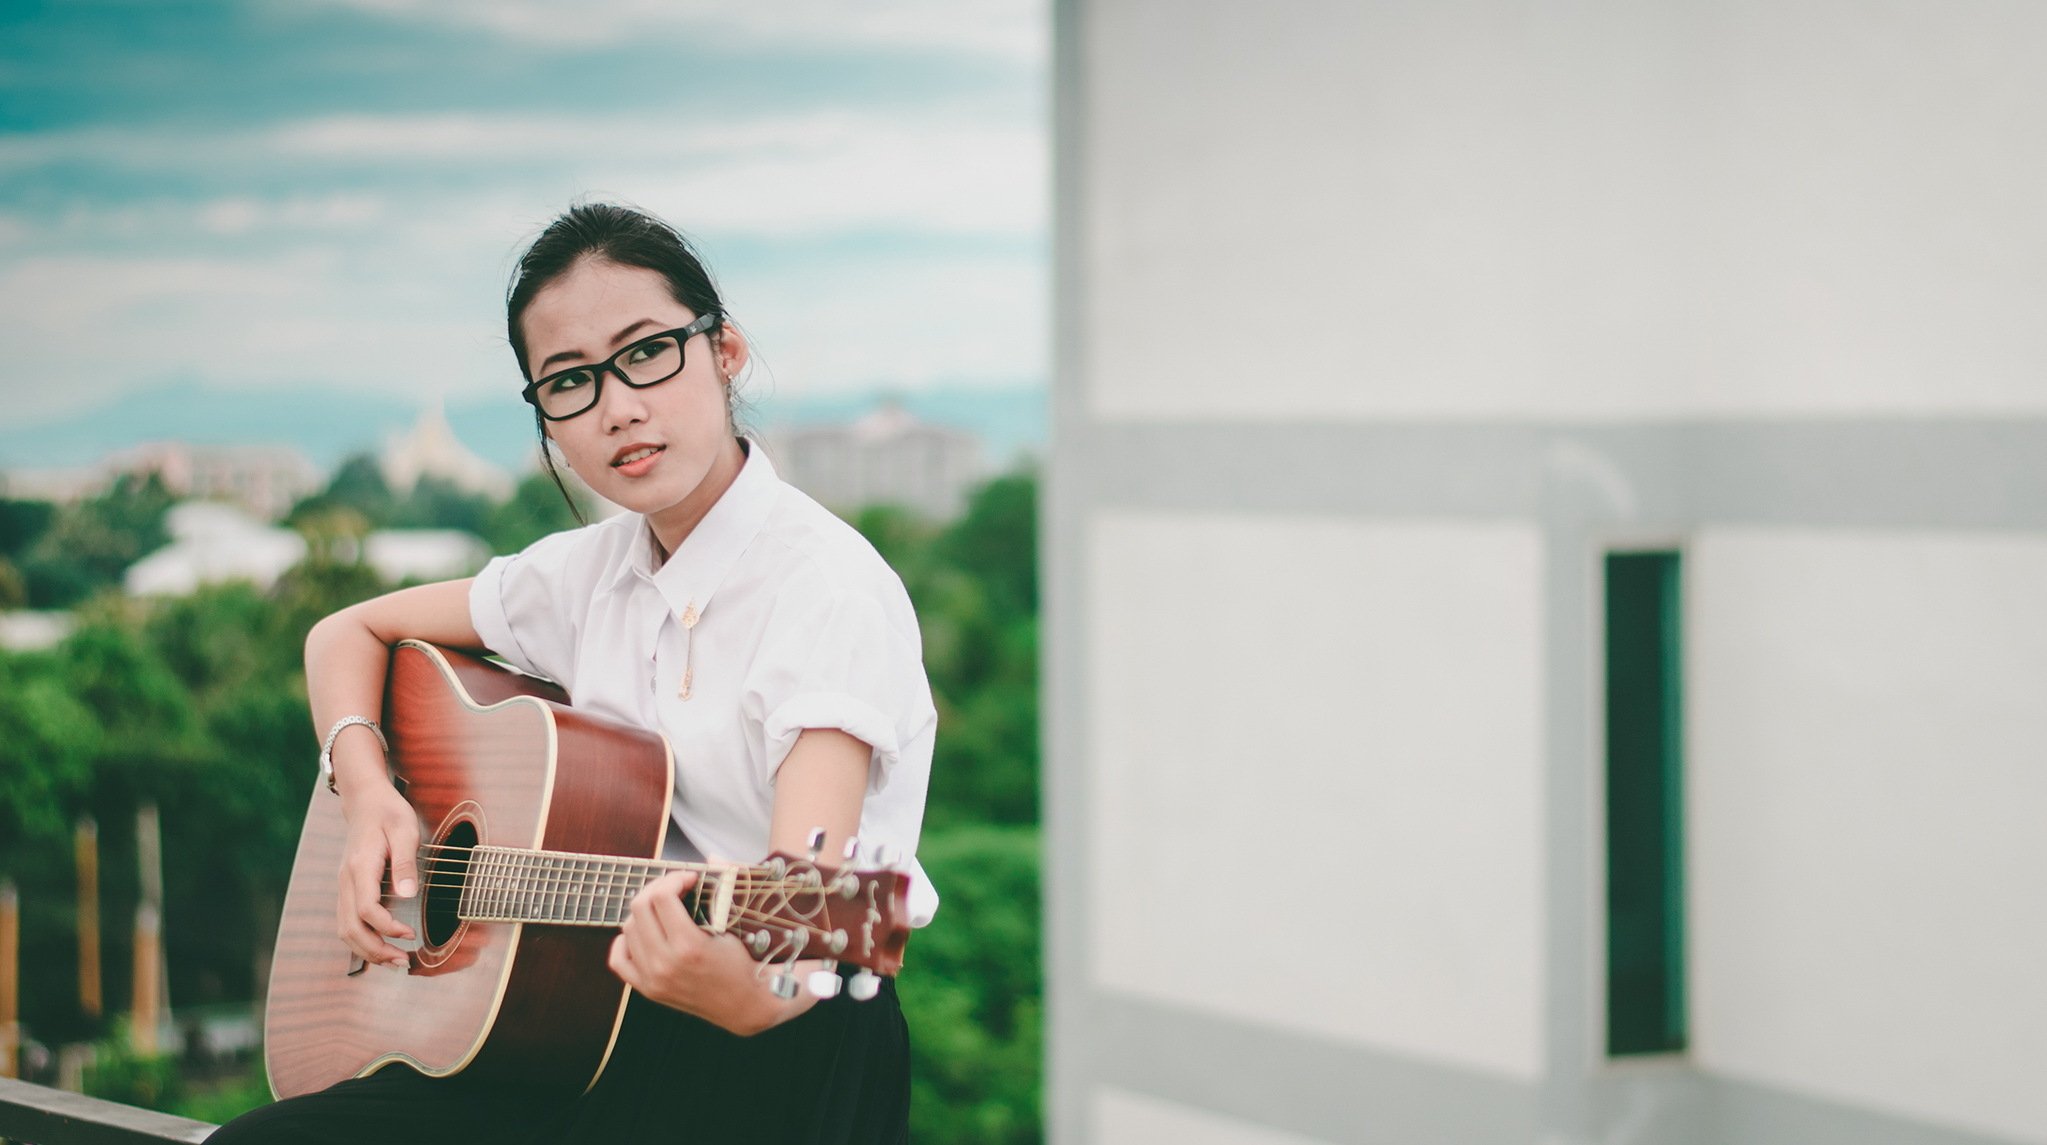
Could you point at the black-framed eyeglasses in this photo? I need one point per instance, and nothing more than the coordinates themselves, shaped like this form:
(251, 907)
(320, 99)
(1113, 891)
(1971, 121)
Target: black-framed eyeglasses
(647, 362)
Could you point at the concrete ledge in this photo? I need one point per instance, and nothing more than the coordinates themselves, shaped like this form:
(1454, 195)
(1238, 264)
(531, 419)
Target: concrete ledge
(36, 1115)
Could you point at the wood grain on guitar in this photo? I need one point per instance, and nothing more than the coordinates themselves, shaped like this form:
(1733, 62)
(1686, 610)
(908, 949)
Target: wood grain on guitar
(540, 824)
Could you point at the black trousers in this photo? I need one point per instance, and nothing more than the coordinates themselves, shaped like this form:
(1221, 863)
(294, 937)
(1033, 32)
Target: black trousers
(837, 1075)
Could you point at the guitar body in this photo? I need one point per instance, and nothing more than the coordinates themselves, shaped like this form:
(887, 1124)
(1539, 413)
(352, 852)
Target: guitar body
(494, 758)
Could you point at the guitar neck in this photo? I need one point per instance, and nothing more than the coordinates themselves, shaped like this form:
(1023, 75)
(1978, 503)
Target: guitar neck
(507, 884)
(781, 908)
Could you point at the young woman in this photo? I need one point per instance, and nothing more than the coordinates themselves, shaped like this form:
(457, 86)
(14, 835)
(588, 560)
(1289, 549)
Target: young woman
(762, 635)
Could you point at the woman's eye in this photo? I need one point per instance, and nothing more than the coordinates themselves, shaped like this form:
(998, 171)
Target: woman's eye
(568, 382)
(646, 351)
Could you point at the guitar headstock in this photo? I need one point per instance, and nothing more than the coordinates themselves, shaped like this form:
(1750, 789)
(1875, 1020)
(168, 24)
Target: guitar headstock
(791, 908)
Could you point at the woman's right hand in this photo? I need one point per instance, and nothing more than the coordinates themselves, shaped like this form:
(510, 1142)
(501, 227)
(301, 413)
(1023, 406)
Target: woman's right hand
(383, 832)
(346, 658)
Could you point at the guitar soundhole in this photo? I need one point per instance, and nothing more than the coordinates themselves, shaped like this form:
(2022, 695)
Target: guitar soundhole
(446, 873)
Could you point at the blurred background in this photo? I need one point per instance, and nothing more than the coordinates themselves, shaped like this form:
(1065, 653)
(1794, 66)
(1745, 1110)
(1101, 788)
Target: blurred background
(253, 257)
(1544, 516)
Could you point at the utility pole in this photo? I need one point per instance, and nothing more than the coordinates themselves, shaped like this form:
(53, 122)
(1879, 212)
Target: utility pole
(151, 1002)
(85, 850)
(10, 979)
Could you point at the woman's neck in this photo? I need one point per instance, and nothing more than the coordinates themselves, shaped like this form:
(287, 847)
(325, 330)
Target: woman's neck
(673, 525)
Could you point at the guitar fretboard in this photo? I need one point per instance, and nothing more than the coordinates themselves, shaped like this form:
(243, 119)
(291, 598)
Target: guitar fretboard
(505, 884)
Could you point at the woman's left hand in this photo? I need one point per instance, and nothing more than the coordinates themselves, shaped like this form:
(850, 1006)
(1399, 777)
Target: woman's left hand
(661, 952)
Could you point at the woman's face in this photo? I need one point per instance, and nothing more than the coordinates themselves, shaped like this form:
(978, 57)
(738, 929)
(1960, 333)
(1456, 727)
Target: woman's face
(665, 450)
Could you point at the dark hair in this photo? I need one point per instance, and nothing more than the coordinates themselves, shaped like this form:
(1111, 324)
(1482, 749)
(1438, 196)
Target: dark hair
(616, 234)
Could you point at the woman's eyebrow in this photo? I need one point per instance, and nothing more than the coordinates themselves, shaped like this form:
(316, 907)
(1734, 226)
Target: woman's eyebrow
(571, 355)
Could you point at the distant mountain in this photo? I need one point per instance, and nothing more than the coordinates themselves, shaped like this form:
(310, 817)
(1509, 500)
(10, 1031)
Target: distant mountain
(328, 425)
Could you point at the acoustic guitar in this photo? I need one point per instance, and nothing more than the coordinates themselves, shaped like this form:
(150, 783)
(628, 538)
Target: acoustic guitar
(539, 824)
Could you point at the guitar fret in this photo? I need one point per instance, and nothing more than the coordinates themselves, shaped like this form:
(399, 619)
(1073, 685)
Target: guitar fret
(608, 891)
(621, 891)
(479, 871)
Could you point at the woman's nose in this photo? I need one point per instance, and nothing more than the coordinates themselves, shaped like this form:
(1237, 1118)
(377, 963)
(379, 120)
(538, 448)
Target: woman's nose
(621, 405)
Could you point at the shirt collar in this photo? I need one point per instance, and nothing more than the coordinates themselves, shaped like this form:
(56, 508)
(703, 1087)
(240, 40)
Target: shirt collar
(696, 568)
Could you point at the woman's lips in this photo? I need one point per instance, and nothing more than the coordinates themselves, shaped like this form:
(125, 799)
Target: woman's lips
(636, 460)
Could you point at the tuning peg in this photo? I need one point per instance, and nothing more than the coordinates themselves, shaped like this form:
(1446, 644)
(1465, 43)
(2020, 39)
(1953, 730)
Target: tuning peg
(783, 985)
(852, 848)
(825, 982)
(816, 844)
(882, 857)
(864, 985)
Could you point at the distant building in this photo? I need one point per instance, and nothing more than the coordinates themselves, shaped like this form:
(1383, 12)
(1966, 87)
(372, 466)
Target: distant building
(431, 449)
(212, 543)
(68, 484)
(264, 479)
(886, 456)
(33, 631)
(424, 554)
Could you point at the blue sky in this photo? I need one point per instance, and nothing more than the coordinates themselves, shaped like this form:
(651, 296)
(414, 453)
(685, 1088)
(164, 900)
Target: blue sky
(246, 198)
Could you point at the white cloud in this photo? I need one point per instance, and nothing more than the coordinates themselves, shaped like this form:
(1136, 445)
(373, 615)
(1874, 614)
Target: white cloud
(90, 326)
(1016, 30)
(907, 322)
(838, 170)
(402, 316)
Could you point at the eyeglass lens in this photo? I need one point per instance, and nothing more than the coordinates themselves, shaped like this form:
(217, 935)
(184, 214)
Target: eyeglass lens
(643, 364)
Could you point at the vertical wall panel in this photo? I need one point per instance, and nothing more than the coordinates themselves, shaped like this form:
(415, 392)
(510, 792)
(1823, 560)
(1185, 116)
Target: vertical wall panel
(1314, 776)
(1869, 862)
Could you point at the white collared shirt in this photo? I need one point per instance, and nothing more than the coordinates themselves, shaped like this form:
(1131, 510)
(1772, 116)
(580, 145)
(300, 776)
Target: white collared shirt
(782, 617)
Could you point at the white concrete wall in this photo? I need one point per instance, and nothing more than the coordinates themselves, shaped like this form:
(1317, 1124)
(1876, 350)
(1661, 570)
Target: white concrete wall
(1315, 776)
(1468, 209)
(1124, 1118)
(1868, 818)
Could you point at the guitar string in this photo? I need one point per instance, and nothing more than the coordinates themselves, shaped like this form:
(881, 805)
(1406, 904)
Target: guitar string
(744, 910)
(767, 921)
(452, 857)
(530, 880)
(529, 865)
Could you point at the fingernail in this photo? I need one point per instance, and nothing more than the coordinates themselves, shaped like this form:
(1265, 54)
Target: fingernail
(407, 888)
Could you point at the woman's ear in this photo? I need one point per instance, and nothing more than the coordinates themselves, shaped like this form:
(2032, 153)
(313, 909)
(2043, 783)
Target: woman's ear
(732, 351)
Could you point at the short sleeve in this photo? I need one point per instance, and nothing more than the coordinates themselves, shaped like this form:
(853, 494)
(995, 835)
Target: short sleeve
(839, 660)
(519, 607)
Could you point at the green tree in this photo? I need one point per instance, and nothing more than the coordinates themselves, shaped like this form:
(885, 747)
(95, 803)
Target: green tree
(437, 503)
(89, 545)
(996, 543)
(358, 484)
(971, 991)
(13, 586)
(536, 508)
(48, 742)
(21, 523)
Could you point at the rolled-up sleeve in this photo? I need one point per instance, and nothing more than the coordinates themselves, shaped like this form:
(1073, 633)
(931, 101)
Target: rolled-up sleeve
(520, 607)
(839, 660)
